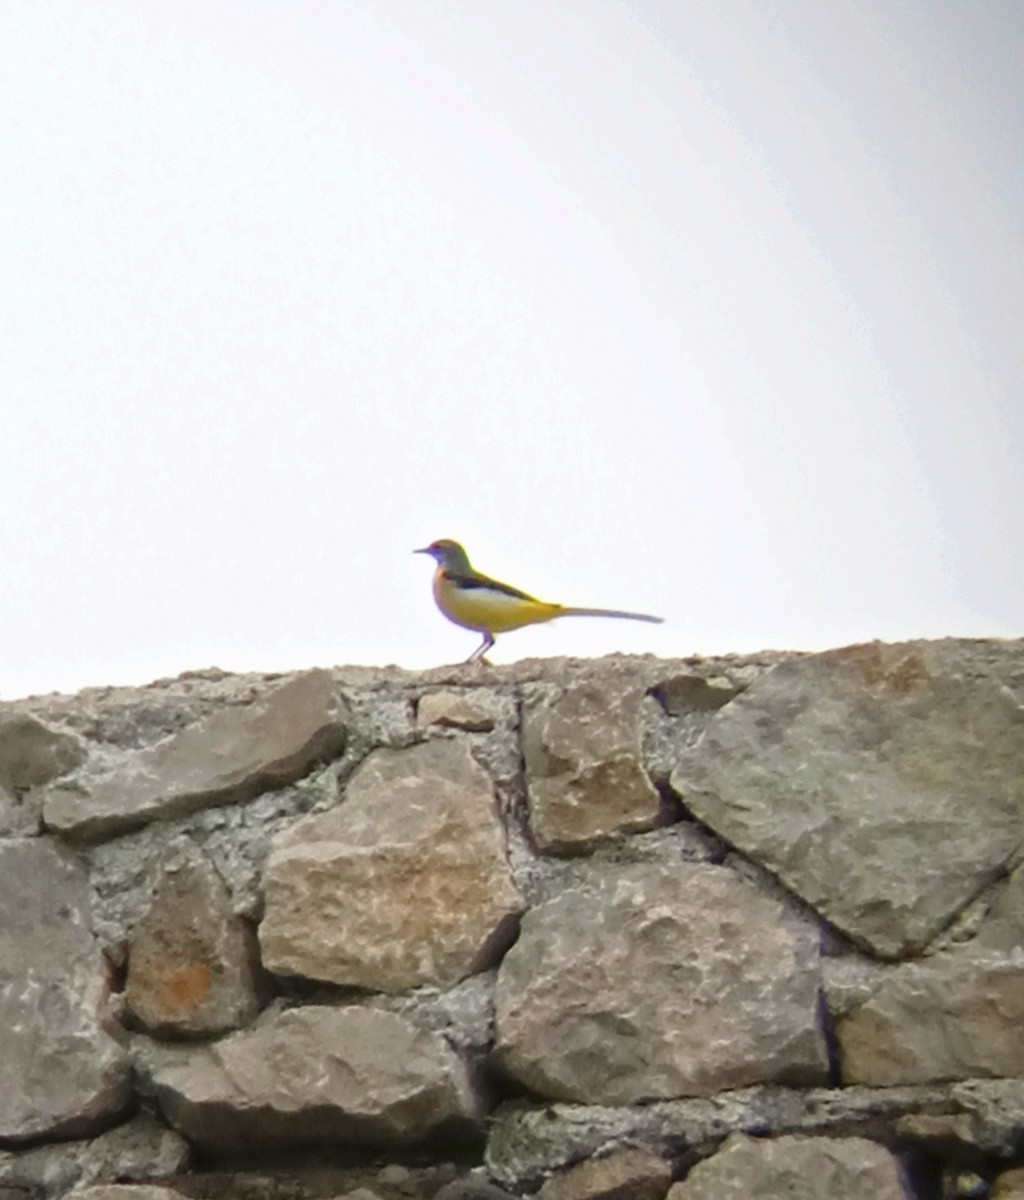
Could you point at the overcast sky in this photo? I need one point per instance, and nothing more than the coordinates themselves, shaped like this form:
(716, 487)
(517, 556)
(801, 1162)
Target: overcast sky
(710, 309)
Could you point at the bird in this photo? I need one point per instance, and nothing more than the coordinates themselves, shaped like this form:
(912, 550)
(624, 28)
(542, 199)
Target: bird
(475, 601)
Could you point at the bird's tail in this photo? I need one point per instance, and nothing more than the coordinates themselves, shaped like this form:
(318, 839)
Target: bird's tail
(608, 612)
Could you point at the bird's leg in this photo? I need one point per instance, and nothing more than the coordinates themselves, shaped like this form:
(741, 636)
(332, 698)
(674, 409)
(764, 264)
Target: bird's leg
(478, 654)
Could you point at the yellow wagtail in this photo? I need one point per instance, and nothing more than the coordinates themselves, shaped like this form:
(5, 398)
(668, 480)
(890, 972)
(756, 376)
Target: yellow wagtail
(476, 602)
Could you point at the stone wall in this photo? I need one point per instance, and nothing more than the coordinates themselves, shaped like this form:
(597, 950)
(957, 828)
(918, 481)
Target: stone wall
(616, 930)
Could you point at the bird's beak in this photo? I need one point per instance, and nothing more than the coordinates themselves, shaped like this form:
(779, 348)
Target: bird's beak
(422, 550)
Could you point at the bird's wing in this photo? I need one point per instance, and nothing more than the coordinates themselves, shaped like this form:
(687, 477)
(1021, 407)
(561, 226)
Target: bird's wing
(478, 582)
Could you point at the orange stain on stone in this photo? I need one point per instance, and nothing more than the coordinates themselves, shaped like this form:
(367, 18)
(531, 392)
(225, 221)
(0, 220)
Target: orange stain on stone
(182, 989)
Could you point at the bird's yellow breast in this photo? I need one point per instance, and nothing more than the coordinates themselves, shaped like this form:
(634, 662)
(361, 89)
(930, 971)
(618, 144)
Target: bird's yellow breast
(488, 609)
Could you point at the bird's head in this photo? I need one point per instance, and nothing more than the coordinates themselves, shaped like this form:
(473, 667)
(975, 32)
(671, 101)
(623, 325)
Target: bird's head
(447, 554)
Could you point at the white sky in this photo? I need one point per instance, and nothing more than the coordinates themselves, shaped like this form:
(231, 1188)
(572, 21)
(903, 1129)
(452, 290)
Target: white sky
(710, 308)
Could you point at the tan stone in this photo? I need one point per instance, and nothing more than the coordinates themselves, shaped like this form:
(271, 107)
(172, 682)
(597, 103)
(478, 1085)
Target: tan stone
(659, 981)
(192, 963)
(315, 1076)
(124, 1191)
(1009, 1185)
(233, 754)
(941, 1133)
(477, 710)
(798, 1168)
(584, 776)
(958, 1015)
(622, 1175)
(404, 883)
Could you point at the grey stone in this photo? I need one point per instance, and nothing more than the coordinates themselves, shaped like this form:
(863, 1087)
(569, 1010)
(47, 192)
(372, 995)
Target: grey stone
(656, 982)
(20, 815)
(883, 784)
(140, 1149)
(236, 839)
(850, 980)
(1003, 928)
(799, 1168)
(528, 1141)
(128, 718)
(996, 1110)
(953, 1016)
(543, 877)
(585, 780)
(64, 1076)
(231, 755)
(464, 1013)
(318, 1076)
(192, 964)
(691, 691)
(405, 883)
(378, 718)
(31, 754)
(471, 1187)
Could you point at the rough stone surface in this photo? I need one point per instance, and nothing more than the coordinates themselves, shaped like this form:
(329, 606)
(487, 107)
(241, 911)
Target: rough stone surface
(20, 816)
(1003, 928)
(528, 1141)
(585, 778)
(64, 1076)
(464, 1014)
(140, 1149)
(405, 883)
(124, 1191)
(882, 783)
(996, 1110)
(957, 1135)
(797, 1168)
(953, 1016)
(657, 982)
(232, 754)
(471, 1187)
(192, 963)
(127, 870)
(849, 980)
(629, 1174)
(691, 691)
(318, 1076)
(31, 754)
(470, 709)
(943, 1135)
